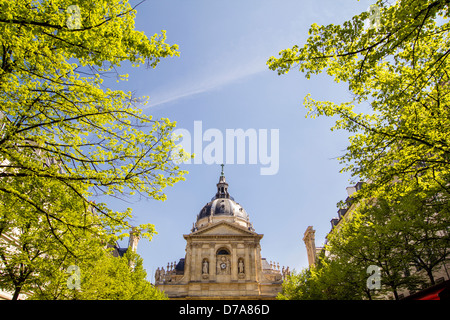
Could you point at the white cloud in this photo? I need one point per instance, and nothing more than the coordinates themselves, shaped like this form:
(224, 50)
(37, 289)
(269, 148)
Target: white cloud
(214, 79)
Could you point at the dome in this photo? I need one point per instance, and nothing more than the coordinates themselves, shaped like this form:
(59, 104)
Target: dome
(222, 207)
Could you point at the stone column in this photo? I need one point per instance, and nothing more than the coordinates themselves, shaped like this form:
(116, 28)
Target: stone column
(258, 266)
(310, 244)
(254, 263)
(187, 262)
(134, 239)
(234, 262)
(196, 266)
(212, 261)
(248, 262)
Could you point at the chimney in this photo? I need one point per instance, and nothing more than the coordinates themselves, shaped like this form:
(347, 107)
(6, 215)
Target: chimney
(351, 190)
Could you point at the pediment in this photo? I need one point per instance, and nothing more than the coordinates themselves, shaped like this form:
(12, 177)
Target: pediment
(223, 228)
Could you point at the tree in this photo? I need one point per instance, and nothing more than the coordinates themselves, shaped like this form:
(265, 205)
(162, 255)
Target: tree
(403, 241)
(44, 246)
(43, 242)
(329, 279)
(54, 106)
(37, 264)
(422, 217)
(65, 137)
(363, 240)
(342, 279)
(299, 286)
(399, 69)
(105, 278)
(400, 237)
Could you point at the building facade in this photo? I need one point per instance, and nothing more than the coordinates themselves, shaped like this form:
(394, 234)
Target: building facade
(223, 257)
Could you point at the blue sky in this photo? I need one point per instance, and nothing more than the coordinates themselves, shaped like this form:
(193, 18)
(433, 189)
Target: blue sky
(222, 80)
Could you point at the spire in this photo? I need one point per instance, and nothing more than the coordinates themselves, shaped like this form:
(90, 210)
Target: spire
(222, 186)
(222, 175)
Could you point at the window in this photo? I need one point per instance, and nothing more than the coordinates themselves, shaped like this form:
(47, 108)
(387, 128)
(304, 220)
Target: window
(222, 251)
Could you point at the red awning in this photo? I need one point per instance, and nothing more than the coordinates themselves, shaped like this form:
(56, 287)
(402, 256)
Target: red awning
(432, 295)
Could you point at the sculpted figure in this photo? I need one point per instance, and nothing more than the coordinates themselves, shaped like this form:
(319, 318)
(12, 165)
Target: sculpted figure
(205, 267)
(241, 266)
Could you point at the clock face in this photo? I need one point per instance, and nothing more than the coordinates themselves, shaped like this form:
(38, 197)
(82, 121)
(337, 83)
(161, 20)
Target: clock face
(223, 265)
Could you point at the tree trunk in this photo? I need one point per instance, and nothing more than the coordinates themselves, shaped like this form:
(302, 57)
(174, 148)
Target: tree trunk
(16, 293)
(430, 275)
(394, 290)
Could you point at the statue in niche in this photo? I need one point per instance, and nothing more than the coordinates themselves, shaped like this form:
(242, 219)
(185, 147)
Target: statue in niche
(241, 266)
(205, 268)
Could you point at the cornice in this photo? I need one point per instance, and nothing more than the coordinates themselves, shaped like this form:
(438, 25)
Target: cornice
(244, 232)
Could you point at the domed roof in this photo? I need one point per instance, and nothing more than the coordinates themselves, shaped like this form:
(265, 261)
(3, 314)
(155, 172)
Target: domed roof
(222, 204)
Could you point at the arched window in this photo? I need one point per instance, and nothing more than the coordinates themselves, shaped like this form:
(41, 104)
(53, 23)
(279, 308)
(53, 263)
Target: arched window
(222, 251)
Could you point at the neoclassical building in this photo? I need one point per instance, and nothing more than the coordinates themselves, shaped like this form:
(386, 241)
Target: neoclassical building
(223, 257)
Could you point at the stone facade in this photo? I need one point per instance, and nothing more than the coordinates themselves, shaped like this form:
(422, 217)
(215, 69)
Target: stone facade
(310, 243)
(223, 257)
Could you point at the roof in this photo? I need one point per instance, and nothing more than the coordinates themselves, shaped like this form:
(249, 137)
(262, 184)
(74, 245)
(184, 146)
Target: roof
(222, 203)
(117, 251)
(223, 206)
